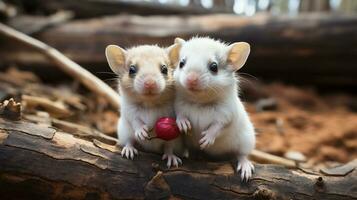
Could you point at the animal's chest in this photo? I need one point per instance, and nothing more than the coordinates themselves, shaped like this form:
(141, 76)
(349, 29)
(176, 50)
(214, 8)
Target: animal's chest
(150, 116)
(201, 116)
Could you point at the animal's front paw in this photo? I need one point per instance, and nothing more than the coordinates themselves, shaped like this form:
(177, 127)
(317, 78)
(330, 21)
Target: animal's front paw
(129, 152)
(172, 160)
(207, 139)
(246, 168)
(183, 124)
(142, 133)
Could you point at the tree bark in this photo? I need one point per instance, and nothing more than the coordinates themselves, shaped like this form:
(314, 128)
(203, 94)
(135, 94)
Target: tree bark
(95, 8)
(309, 49)
(39, 162)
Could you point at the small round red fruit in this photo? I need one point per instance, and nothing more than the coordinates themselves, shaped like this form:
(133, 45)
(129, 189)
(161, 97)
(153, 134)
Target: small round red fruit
(166, 128)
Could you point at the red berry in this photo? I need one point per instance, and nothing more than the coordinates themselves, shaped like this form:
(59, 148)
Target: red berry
(166, 128)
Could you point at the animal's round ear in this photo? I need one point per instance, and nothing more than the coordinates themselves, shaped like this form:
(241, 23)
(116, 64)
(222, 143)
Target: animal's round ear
(116, 58)
(179, 40)
(174, 53)
(237, 55)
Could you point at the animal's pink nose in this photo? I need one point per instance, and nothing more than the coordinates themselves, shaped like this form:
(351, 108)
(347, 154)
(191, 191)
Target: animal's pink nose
(192, 79)
(150, 84)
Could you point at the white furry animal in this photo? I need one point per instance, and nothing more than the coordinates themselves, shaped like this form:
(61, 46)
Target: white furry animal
(147, 93)
(207, 101)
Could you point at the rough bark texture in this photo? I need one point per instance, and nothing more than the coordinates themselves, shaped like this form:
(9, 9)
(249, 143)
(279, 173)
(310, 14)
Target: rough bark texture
(42, 163)
(94, 8)
(321, 48)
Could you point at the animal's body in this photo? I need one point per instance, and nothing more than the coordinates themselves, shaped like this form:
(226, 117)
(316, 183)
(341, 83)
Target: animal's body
(147, 94)
(207, 102)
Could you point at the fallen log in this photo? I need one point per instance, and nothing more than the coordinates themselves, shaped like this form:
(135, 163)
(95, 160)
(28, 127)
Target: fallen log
(95, 8)
(40, 162)
(317, 47)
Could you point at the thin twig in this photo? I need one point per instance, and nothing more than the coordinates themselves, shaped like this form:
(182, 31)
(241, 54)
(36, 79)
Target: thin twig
(263, 157)
(73, 69)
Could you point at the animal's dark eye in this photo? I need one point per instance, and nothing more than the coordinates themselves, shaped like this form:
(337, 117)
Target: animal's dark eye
(213, 67)
(182, 63)
(164, 69)
(132, 70)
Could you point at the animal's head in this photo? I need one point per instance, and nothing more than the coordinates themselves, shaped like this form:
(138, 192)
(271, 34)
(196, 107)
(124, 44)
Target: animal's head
(144, 71)
(207, 66)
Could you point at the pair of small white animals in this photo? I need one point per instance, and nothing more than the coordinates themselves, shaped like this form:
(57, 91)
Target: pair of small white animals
(193, 81)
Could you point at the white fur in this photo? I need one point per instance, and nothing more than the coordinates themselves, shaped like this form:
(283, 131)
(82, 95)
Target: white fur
(237, 136)
(148, 115)
(215, 105)
(139, 110)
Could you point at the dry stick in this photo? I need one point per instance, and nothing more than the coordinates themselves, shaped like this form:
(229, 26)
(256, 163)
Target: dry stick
(98, 86)
(67, 65)
(54, 108)
(263, 157)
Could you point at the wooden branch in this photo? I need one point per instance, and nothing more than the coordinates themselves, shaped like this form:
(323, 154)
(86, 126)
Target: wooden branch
(7, 10)
(263, 157)
(55, 109)
(42, 163)
(71, 68)
(29, 24)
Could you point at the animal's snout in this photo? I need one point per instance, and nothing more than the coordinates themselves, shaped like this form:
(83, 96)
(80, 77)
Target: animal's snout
(150, 84)
(192, 79)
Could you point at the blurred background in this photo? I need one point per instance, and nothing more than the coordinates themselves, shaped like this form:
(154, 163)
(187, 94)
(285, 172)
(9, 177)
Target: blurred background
(299, 83)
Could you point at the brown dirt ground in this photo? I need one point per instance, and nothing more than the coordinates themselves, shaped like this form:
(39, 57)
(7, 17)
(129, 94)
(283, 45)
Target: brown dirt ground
(323, 128)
